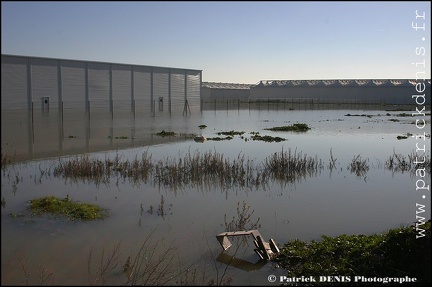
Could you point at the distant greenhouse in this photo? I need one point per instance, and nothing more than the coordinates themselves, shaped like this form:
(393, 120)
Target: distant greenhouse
(225, 91)
(368, 91)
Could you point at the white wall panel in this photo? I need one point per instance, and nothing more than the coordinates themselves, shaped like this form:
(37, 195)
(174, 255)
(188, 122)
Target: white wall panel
(160, 87)
(14, 83)
(99, 84)
(142, 84)
(73, 82)
(45, 81)
(177, 89)
(121, 81)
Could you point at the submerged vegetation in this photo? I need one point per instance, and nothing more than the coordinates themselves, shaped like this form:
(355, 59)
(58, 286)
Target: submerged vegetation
(64, 206)
(299, 127)
(213, 169)
(230, 133)
(395, 253)
(257, 137)
(164, 133)
(219, 138)
(359, 166)
(5, 160)
(243, 221)
(412, 163)
(193, 170)
(404, 136)
(288, 166)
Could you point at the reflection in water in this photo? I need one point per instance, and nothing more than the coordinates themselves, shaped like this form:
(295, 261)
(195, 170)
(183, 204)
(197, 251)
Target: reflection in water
(41, 134)
(242, 264)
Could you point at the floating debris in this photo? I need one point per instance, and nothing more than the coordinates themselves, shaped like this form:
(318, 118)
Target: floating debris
(200, 139)
(265, 250)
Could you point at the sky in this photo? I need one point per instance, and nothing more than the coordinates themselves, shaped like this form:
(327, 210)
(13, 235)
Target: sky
(231, 42)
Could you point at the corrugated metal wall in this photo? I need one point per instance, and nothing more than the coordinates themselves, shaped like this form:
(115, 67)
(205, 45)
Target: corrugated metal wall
(73, 76)
(96, 85)
(14, 84)
(194, 88)
(44, 80)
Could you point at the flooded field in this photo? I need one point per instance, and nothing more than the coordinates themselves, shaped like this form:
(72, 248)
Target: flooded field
(167, 197)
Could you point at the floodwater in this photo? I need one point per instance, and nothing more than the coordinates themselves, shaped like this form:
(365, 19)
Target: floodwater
(329, 201)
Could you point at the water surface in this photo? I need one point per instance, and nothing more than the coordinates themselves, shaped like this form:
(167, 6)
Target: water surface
(327, 202)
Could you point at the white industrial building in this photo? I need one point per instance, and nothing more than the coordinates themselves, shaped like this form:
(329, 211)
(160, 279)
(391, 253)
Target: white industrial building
(47, 83)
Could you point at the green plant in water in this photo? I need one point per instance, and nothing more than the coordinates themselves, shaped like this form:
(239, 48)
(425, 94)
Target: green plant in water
(267, 138)
(299, 127)
(165, 134)
(394, 253)
(231, 133)
(220, 139)
(202, 126)
(64, 206)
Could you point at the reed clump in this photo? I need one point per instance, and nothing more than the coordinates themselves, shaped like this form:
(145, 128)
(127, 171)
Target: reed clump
(200, 169)
(412, 162)
(243, 221)
(359, 166)
(211, 169)
(85, 168)
(100, 171)
(288, 166)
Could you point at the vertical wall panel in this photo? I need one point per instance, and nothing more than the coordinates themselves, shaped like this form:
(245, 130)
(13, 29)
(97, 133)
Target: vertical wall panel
(73, 80)
(142, 86)
(194, 89)
(177, 90)
(14, 83)
(122, 85)
(45, 81)
(160, 87)
(99, 85)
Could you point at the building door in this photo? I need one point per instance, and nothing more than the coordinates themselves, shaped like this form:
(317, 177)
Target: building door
(45, 104)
